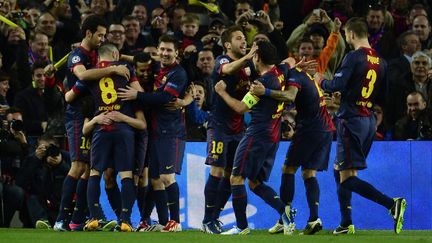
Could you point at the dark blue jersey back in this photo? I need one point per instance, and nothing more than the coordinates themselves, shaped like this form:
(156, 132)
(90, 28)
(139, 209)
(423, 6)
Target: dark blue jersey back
(167, 122)
(266, 114)
(79, 56)
(221, 115)
(359, 78)
(311, 109)
(104, 92)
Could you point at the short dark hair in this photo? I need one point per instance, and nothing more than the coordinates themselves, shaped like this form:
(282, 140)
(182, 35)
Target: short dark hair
(358, 26)
(169, 39)
(4, 76)
(48, 138)
(12, 110)
(377, 7)
(304, 40)
(91, 23)
(401, 39)
(227, 34)
(417, 93)
(141, 57)
(267, 52)
(39, 64)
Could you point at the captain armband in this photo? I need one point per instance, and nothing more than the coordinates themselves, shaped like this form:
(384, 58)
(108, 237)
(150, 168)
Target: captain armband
(250, 100)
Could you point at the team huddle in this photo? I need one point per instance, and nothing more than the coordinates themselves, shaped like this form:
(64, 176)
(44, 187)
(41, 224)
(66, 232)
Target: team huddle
(115, 126)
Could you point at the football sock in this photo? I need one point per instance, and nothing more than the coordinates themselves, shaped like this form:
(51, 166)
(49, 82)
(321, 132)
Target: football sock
(148, 205)
(161, 200)
(344, 197)
(93, 194)
(312, 195)
(127, 199)
(69, 187)
(114, 199)
(79, 213)
(239, 201)
(366, 190)
(173, 201)
(270, 197)
(287, 188)
(141, 194)
(210, 192)
(223, 195)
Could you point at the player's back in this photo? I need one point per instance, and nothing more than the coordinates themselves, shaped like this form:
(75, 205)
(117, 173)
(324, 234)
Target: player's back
(311, 109)
(79, 56)
(266, 114)
(366, 77)
(104, 92)
(221, 115)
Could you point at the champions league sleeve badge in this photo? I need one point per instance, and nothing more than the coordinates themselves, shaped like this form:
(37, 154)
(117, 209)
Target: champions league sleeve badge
(76, 59)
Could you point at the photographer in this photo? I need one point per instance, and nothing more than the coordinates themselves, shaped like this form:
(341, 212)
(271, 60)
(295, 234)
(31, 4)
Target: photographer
(13, 149)
(42, 176)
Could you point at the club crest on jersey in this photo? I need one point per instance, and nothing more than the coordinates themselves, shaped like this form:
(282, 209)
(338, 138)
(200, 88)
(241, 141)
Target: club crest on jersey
(76, 59)
(247, 71)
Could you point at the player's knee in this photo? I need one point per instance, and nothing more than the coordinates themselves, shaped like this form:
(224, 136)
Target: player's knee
(289, 169)
(306, 174)
(94, 172)
(157, 184)
(125, 174)
(236, 180)
(253, 184)
(345, 174)
(167, 179)
(77, 169)
(216, 171)
(109, 179)
(142, 182)
(86, 173)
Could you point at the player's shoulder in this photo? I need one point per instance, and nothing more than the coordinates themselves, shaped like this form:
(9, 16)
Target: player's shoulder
(222, 59)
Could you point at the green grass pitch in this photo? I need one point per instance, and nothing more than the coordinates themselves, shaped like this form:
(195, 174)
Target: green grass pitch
(192, 236)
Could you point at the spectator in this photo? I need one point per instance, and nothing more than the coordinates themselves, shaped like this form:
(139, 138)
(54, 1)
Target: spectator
(116, 36)
(135, 41)
(37, 100)
(188, 41)
(196, 122)
(139, 11)
(316, 29)
(4, 87)
(399, 68)
(421, 26)
(176, 19)
(13, 149)
(380, 37)
(418, 81)
(159, 23)
(41, 176)
(417, 123)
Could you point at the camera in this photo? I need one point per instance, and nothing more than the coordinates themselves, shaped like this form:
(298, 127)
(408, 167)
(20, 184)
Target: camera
(52, 151)
(425, 132)
(18, 15)
(16, 125)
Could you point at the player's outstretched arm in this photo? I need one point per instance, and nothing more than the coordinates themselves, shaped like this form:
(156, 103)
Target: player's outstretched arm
(233, 67)
(237, 105)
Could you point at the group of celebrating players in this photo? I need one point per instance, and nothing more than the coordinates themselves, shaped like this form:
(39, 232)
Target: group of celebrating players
(140, 135)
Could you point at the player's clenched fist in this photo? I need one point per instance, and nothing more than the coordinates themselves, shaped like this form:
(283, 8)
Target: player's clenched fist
(220, 86)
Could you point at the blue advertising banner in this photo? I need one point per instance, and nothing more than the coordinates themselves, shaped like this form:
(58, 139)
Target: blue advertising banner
(398, 169)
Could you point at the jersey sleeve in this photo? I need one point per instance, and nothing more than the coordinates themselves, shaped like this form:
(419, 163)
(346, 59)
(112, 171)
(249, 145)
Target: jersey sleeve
(220, 62)
(342, 75)
(294, 79)
(75, 59)
(176, 83)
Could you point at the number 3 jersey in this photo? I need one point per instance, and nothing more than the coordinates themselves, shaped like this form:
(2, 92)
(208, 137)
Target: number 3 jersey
(359, 80)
